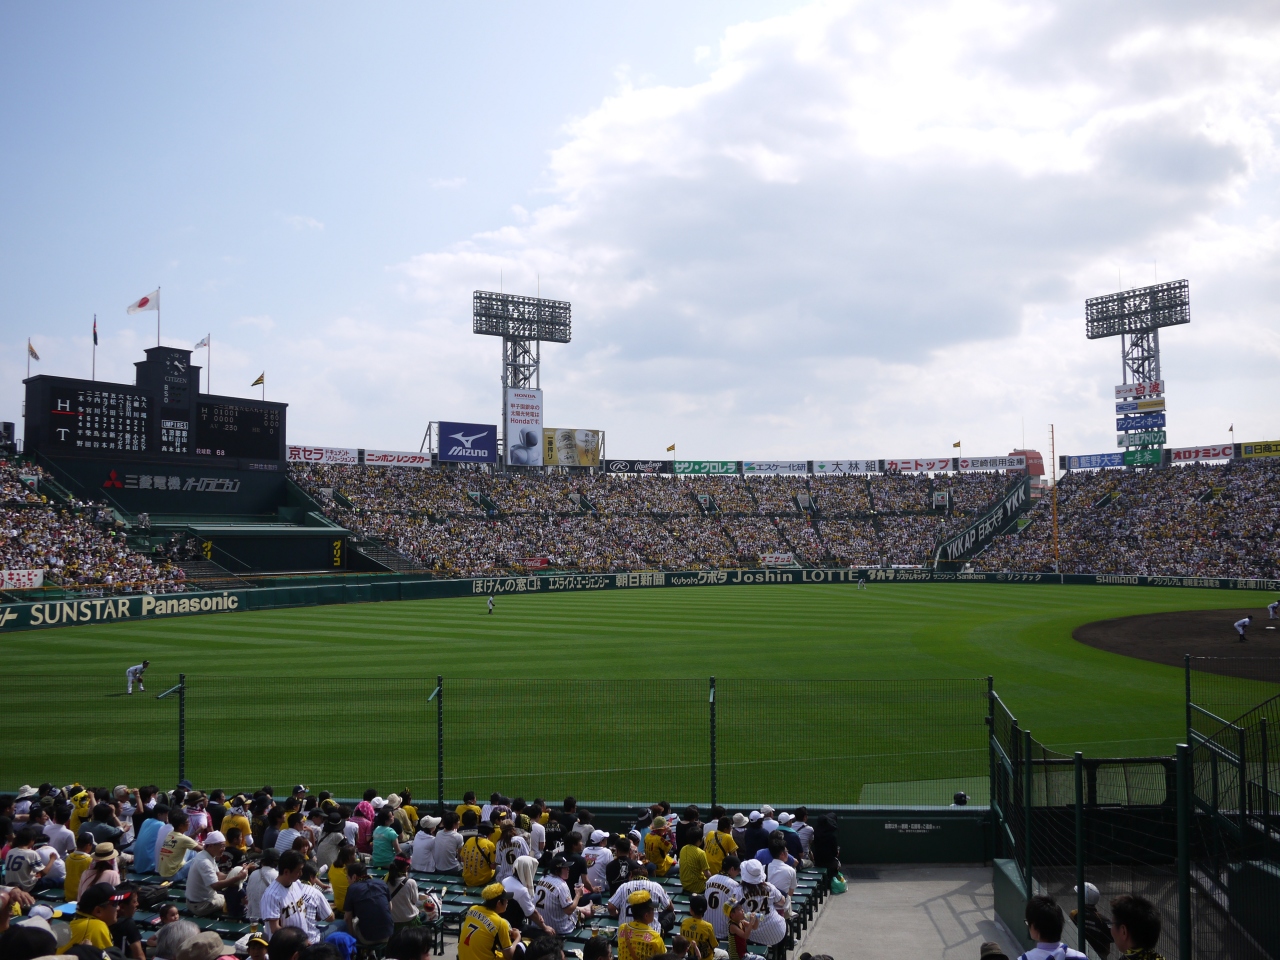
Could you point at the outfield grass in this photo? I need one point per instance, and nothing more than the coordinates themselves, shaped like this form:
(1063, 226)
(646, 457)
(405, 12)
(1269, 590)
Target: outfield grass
(1069, 695)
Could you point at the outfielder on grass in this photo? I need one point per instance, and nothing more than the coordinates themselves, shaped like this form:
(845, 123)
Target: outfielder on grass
(135, 673)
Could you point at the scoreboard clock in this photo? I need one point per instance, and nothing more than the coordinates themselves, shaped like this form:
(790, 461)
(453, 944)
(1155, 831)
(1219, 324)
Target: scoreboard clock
(162, 416)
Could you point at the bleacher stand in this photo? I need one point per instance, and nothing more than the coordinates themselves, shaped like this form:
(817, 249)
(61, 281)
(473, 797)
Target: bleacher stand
(317, 893)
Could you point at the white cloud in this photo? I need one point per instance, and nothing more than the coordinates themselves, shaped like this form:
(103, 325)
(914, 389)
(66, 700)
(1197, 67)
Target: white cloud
(872, 226)
(299, 222)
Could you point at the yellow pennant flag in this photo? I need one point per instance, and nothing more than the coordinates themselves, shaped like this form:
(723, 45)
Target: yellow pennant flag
(262, 379)
(956, 444)
(671, 448)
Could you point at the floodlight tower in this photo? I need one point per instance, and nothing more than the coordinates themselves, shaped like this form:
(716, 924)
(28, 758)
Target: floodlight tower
(1136, 316)
(522, 323)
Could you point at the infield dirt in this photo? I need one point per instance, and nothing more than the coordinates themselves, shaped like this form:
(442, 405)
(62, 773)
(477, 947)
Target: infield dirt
(1168, 637)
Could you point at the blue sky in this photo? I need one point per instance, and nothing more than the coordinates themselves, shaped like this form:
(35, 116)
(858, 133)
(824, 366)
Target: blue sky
(827, 230)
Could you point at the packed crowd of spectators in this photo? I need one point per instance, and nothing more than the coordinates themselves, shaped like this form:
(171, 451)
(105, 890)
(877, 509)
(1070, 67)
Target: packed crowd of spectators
(308, 867)
(77, 545)
(471, 522)
(1212, 520)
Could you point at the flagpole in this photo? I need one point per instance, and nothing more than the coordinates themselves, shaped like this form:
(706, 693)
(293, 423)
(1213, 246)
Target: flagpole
(94, 374)
(157, 316)
(208, 376)
(28, 358)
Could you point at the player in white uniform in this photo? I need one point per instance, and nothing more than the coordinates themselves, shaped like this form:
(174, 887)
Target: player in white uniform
(135, 674)
(1241, 626)
(551, 895)
(1271, 610)
(491, 604)
(618, 902)
(762, 898)
(722, 891)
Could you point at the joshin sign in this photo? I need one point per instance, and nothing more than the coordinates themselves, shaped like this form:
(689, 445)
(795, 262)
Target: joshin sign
(523, 415)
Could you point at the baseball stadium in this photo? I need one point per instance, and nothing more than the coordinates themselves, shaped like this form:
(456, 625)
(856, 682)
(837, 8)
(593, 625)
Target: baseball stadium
(1057, 670)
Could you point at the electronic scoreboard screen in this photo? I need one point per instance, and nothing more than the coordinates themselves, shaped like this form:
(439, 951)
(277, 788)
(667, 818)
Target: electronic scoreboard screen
(238, 430)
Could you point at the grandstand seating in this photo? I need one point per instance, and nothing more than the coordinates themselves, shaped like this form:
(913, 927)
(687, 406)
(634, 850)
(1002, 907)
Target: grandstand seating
(1196, 520)
(1209, 520)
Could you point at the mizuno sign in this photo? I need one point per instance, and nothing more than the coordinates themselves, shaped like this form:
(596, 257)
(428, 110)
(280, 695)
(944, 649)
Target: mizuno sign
(468, 442)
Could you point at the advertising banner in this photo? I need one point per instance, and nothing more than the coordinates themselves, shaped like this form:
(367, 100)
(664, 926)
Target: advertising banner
(1140, 406)
(523, 414)
(1223, 451)
(1127, 391)
(991, 463)
(566, 447)
(779, 468)
(707, 466)
(300, 454)
(1143, 458)
(17, 579)
(1267, 448)
(778, 559)
(396, 458)
(1151, 438)
(1093, 461)
(639, 466)
(1141, 421)
(467, 442)
(823, 467)
(1014, 503)
(918, 466)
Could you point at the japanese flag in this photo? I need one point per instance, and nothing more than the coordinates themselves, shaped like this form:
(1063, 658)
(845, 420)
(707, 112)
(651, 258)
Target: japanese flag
(150, 302)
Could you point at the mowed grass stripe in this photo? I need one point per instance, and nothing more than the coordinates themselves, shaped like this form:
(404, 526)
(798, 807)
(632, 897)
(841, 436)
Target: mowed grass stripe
(1066, 693)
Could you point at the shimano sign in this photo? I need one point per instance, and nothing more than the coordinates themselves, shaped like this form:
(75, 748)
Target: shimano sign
(468, 442)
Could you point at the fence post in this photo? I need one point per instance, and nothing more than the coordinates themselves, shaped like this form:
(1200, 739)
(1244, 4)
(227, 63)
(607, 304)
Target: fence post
(993, 802)
(1028, 776)
(1266, 780)
(713, 741)
(1186, 669)
(1242, 778)
(182, 727)
(440, 742)
(1184, 851)
(1079, 765)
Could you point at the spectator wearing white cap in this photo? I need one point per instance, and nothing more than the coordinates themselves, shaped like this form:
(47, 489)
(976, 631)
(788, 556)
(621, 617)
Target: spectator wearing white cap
(598, 857)
(768, 820)
(205, 882)
(1097, 928)
(794, 847)
(754, 837)
(762, 898)
(422, 857)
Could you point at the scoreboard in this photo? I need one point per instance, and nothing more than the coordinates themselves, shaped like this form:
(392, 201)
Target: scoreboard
(161, 417)
(239, 430)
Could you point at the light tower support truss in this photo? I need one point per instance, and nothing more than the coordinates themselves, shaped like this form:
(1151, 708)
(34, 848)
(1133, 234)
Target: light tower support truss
(523, 323)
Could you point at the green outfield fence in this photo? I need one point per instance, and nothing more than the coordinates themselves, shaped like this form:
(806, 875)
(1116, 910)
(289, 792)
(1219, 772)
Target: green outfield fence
(869, 742)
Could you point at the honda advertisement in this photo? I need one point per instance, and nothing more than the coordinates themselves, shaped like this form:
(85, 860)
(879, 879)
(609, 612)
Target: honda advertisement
(467, 442)
(524, 426)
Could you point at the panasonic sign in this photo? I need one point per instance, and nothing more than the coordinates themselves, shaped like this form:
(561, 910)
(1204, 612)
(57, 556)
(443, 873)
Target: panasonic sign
(467, 442)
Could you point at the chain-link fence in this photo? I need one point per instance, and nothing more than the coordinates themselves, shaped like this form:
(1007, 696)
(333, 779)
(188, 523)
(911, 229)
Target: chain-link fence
(1065, 821)
(870, 742)
(1235, 841)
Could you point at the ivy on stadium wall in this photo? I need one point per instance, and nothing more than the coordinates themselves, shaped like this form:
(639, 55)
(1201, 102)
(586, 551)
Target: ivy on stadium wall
(61, 613)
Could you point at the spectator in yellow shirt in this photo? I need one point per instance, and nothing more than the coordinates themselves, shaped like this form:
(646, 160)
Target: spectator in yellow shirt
(96, 910)
(693, 863)
(658, 846)
(477, 856)
(76, 864)
(719, 843)
(237, 816)
(468, 803)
